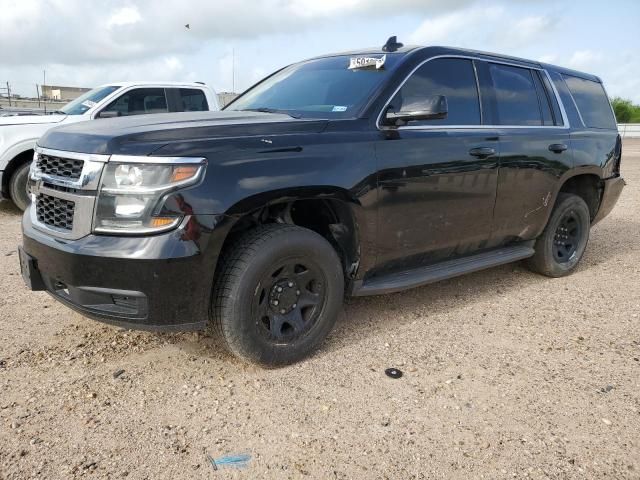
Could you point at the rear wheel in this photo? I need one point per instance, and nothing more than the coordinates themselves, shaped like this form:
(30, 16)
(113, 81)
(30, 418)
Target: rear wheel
(18, 186)
(562, 244)
(278, 294)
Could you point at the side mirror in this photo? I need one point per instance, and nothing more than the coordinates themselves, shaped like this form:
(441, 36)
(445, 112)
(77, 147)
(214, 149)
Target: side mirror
(433, 107)
(107, 114)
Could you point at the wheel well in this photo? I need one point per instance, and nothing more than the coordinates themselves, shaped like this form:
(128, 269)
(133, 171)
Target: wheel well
(333, 219)
(13, 165)
(588, 187)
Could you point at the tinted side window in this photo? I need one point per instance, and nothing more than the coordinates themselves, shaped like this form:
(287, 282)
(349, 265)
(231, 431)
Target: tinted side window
(592, 102)
(516, 96)
(192, 100)
(452, 77)
(139, 101)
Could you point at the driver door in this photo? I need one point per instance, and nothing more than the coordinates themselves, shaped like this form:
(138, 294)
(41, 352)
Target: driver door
(437, 178)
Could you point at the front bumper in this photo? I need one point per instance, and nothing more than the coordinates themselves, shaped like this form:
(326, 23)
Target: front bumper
(612, 189)
(160, 282)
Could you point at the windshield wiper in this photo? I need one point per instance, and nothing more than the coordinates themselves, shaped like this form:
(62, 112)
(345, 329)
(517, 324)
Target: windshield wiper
(57, 112)
(269, 110)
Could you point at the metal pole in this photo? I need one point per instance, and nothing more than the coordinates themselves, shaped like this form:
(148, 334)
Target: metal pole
(233, 69)
(44, 98)
(38, 93)
(9, 93)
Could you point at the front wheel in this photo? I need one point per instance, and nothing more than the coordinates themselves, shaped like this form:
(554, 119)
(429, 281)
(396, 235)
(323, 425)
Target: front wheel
(562, 244)
(278, 294)
(18, 186)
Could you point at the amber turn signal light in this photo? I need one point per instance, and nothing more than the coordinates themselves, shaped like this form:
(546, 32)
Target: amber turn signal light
(184, 172)
(157, 222)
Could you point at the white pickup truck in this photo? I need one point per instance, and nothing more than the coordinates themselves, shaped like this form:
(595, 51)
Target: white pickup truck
(19, 134)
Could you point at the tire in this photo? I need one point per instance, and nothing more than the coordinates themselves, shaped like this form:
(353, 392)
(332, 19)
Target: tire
(562, 244)
(274, 269)
(18, 186)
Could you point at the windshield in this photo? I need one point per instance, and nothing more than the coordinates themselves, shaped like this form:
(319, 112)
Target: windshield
(322, 88)
(88, 100)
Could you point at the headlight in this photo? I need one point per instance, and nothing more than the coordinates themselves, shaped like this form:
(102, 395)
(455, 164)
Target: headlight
(132, 188)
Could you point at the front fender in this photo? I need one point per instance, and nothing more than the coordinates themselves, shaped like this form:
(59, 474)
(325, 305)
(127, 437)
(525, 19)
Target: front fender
(247, 173)
(17, 140)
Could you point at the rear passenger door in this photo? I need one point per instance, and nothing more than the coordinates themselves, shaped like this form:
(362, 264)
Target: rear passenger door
(534, 148)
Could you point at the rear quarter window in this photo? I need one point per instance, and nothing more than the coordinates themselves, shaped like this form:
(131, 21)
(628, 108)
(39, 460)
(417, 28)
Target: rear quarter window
(592, 102)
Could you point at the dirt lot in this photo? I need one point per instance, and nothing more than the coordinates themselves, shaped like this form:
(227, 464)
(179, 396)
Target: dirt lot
(507, 374)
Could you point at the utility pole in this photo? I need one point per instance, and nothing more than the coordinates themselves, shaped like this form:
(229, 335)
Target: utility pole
(38, 94)
(44, 82)
(9, 93)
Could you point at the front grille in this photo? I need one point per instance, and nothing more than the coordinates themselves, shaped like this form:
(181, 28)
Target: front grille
(54, 212)
(60, 167)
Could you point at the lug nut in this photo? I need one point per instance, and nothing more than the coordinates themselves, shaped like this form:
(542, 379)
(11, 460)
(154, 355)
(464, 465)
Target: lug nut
(283, 311)
(290, 284)
(275, 302)
(297, 292)
(295, 305)
(279, 289)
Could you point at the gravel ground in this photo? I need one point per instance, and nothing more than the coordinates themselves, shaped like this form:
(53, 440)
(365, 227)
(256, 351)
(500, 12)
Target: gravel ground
(507, 374)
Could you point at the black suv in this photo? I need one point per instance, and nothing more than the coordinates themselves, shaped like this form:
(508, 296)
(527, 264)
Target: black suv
(359, 173)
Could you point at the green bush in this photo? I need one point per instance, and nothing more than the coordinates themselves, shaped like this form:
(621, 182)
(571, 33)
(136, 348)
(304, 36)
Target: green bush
(626, 111)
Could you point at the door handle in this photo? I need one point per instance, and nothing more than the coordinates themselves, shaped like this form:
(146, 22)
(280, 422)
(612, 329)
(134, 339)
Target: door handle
(482, 152)
(557, 147)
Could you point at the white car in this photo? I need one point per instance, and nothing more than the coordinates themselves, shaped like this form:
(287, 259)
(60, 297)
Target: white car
(19, 134)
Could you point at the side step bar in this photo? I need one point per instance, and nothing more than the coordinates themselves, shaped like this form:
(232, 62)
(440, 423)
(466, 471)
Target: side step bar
(417, 277)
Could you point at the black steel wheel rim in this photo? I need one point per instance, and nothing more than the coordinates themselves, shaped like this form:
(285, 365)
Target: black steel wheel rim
(289, 300)
(567, 237)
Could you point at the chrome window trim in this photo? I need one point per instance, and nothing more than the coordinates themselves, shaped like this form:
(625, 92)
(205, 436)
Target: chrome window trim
(563, 112)
(565, 119)
(158, 160)
(475, 74)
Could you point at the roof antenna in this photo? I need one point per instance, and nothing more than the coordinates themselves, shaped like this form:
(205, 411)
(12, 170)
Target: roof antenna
(392, 45)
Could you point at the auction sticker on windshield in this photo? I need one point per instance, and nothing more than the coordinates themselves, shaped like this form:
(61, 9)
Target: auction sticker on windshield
(367, 62)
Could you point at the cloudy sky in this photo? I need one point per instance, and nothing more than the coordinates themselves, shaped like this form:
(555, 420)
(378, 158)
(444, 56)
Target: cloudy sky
(92, 42)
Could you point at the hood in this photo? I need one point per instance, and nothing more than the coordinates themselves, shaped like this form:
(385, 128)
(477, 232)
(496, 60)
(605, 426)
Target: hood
(31, 119)
(144, 134)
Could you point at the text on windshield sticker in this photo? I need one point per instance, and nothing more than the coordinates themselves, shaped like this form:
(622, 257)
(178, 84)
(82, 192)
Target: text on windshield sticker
(367, 62)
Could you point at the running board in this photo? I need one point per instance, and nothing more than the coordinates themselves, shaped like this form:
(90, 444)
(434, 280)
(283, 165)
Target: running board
(417, 277)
